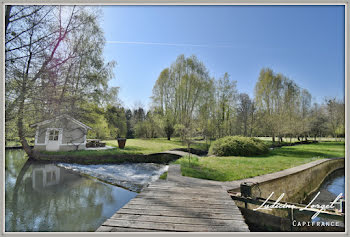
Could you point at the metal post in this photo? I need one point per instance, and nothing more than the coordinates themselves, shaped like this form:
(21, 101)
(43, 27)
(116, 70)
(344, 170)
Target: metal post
(290, 216)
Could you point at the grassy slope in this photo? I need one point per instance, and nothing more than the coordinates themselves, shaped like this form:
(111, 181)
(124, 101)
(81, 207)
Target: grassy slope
(133, 146)
(149, 146)
(234, 168)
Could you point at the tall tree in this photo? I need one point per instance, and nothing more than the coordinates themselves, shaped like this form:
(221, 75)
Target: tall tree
(268, 91)
(116, 119)
(245, 111)
(180, 90)
(305, 103)
(226, 95)
(318, 121)
(291, 99)
(48, 68)
(129, 124)
(207, 113)
(335, 116)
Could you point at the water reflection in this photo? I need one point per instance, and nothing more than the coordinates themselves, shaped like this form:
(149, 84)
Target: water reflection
(331, 187)
(44, 197)
(45, 175)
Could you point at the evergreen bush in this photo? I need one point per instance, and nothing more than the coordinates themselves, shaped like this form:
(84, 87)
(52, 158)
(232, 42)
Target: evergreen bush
(238, 146)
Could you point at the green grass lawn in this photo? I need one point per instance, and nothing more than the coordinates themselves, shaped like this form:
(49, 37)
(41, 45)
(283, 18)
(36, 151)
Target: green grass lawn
(149, 146)
(235, 168)
(134, 146)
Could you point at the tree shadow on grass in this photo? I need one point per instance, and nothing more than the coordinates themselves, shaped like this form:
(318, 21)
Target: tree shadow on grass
(297, 154)
(130, 149)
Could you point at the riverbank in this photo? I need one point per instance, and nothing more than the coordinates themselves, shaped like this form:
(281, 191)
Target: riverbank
(213, 168)
(107, 157)
(158, 150)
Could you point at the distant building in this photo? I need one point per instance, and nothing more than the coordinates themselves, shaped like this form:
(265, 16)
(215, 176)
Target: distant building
(62, 133)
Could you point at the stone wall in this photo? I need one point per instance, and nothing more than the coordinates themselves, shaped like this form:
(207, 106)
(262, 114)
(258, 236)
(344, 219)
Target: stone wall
(297, 182)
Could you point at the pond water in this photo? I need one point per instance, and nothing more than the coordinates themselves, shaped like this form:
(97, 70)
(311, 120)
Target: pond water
(47, 197)
(332, 186)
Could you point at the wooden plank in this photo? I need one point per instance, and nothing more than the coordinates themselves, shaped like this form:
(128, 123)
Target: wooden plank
(185, 187)
(182, 185)
(193, 190)
(169, 208)
(177, 194)
(183, 200)
(181, 190)
(171, 226)
(178, 220)
(183, 182)
(126, 229)
(174, 206)
(104, 229)
(187, 198)
(181, 209)
(155, 226)
(214, 193)
(182, 204)
(174, 213)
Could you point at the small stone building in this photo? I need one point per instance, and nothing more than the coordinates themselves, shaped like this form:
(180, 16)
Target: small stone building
(62, 133)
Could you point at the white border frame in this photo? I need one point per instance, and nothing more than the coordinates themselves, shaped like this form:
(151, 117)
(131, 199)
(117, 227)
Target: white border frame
(184, 2)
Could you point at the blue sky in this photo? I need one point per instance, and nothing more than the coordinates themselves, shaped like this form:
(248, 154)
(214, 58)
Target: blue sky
(305, 43)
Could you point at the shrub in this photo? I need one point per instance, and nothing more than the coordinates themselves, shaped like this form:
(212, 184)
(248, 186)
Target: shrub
(238, 146)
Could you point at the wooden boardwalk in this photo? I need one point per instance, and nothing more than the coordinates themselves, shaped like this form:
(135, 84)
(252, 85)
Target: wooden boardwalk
(178, 204)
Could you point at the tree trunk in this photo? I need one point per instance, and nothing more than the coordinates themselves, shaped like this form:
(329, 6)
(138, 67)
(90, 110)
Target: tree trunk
(21, 132)
(7, 16)
(20, 114)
